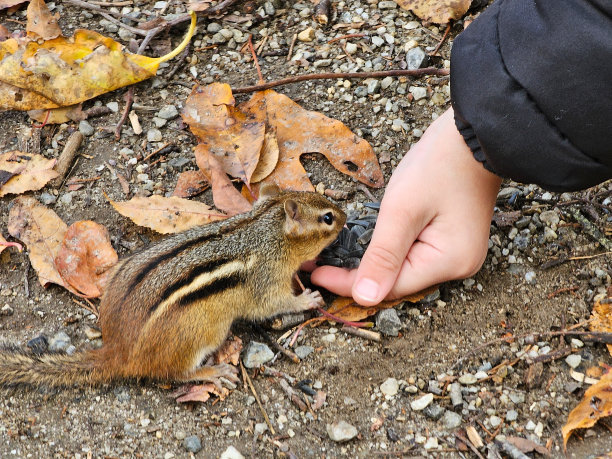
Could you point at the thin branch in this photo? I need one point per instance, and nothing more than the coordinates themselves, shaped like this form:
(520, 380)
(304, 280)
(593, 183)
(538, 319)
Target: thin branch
(329, 76)
(441, 42)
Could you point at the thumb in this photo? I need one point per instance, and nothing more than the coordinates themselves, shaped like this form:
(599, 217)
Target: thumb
(396, 230)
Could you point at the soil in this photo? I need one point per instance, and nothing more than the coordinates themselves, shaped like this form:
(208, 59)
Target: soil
(144, 420)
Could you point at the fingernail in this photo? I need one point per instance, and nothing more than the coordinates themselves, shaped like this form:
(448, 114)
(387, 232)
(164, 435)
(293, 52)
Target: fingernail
(367, 289)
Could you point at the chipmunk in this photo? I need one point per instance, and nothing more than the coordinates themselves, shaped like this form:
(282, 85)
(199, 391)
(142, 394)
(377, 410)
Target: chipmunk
(171, 305)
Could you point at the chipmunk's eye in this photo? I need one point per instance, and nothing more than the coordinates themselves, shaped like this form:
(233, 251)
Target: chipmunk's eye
(328, 218)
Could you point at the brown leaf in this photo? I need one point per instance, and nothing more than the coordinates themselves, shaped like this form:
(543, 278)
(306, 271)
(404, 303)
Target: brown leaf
(43, 232)
(438, 11)
(167, 215)
(27, 172)
(223, 130)
(505, 219)
(199, 5)
(41, 23)
(10, 3)
(349, 310)
(225, 196)
(4, 32)
(85, 257)
(268, 159)
(319, 400)
(300, 131)
(601, 319)
(527, 446)
(201, 393)
(59, 115)
(595, 405)
(229, 352)
(190, 183)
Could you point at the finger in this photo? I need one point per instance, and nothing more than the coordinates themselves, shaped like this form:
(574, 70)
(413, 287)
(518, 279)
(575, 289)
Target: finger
(398, 225)
(336, 280)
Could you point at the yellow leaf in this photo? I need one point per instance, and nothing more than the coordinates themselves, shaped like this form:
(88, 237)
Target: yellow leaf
(66, 71)
(601, 319)
(167, 215)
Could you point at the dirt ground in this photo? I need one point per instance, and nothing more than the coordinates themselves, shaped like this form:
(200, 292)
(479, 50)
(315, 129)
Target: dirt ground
(143, 420)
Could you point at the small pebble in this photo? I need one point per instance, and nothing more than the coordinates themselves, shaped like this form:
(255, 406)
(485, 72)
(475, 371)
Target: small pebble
(341, 431)
(431, 443)
(306, 35)
(231, 453)
(168, 112)
(422, 402)
(467, 379)
(388, 322)
(455, 394)
(434, 411)
(153, 135)
(390, 387)
(47, 198)
(192, 444)
(418, 92)
(256, 354)
(6, 310)
(451, 420)
(85, 128)
(530, 425)
(303, 351)
(415, 58)
(495, 421)
(573, 360)
(511, 416)
(59, 342)
(113, 107)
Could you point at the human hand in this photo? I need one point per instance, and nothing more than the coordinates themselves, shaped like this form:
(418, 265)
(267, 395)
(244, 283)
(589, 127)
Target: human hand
(433, 224)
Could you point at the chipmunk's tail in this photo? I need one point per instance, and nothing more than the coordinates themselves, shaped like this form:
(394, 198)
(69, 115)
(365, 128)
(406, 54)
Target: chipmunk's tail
(20, 367)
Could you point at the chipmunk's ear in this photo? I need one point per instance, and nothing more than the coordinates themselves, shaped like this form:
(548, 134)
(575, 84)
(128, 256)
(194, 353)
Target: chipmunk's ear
(268, 190)
(293, 217)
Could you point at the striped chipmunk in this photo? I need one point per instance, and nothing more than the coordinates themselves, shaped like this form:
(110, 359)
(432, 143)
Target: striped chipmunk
(170, 306)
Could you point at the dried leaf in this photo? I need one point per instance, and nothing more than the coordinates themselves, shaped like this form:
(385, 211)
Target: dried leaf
(167, 215)
(41, 23)
(300, 131)
(268, 159)
(4, 32)
(505, 219)
(66, 71)
(319, 400)
(438, 11)
(85, 257)
(224, 131)
(348, 309)
(474, 436)
(225, 196)
(601, 319)
(229, 352)
(43, 232)
(59, 115)
(201, 393)
(199, 5)
(10, 3)
(595, 405)
(190, 183)
(25, 172)
(527, 446)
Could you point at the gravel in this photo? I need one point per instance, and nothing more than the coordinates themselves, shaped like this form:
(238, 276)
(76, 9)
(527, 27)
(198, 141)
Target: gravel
(256, 354)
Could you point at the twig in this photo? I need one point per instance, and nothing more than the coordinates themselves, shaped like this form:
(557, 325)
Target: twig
(247, 378)
(217, 8)
(125, 3)
(367, 192)
(441, 42)
(26, 284)
(164, 146)
(129, 99)
(588, 257)
(66, 157)
(299, 329)
(321, 12)
(286, 352)
(255, 61)
(328, 76)
(562, 290)
(293, 395)
(278, 374)
(361, 333)
(291, 47)
(558, 354)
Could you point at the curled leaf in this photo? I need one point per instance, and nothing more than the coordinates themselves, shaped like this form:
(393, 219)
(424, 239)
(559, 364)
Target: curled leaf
(166, 215)
(21, 172)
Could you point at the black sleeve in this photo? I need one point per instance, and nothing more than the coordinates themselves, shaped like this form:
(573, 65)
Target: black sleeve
(531, 88)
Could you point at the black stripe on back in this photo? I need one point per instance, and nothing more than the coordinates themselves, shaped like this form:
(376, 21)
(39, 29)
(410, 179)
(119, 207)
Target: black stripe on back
(189, 277)
(155, 261)
(216, 286)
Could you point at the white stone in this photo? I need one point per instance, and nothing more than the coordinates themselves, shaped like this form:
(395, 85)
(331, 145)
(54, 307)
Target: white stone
(231, 453)
(422, 402)
(573, 360)
(390, 387)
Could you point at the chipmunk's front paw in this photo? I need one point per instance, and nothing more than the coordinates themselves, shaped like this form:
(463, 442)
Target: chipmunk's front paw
(226, 371)
(312, 299)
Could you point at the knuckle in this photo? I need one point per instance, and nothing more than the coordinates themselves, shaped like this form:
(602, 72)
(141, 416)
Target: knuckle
(383, 259)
